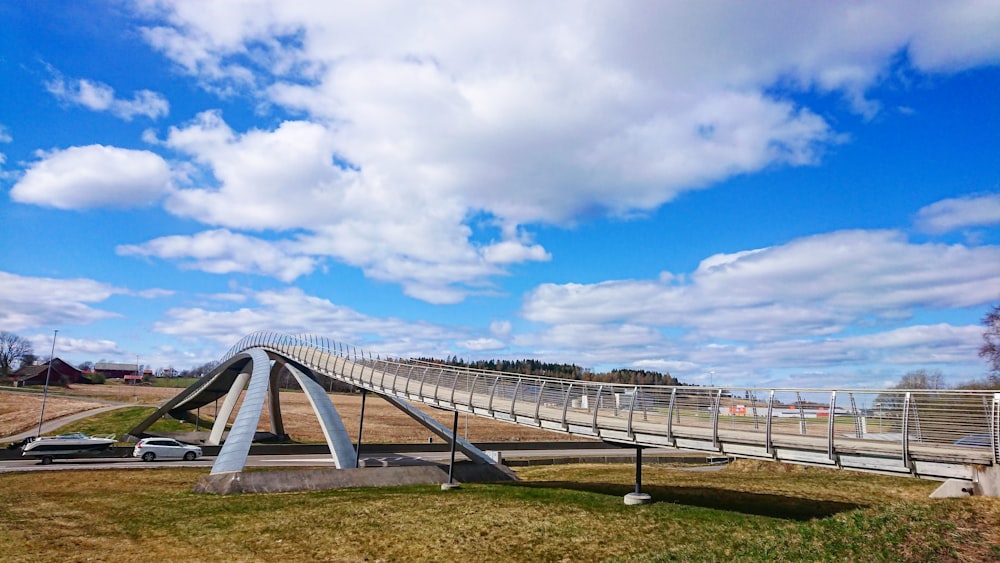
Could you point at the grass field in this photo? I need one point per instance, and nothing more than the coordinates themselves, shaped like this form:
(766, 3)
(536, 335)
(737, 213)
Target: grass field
(383, 422)
(747, 512)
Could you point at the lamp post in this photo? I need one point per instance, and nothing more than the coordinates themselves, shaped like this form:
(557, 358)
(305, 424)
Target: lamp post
(48, 373)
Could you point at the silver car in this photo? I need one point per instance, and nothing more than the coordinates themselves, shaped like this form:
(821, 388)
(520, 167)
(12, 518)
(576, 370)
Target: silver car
(150, 449)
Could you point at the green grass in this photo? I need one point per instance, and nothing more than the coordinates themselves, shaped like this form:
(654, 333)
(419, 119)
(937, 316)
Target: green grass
(120, 421)
(173, 382)
(555, 513)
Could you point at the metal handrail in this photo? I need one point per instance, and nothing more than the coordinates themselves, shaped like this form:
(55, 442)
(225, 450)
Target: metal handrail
(879, 423)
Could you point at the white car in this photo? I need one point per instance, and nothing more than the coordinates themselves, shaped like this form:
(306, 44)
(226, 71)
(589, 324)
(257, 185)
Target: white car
(150, 449)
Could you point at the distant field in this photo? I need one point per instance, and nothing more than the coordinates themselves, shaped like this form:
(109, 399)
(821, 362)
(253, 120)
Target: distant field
(383, 422)
(574, 513)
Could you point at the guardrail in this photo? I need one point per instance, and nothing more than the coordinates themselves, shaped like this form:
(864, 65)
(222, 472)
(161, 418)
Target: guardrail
(921, 432)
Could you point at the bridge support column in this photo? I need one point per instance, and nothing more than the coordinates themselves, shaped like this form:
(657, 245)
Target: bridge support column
(638, 497)
(361, 427)
(222, 417)
(451, 484)
(988, 481)
(274, 402)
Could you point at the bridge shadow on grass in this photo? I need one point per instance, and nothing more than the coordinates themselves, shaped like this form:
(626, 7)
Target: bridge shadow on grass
(756, 504)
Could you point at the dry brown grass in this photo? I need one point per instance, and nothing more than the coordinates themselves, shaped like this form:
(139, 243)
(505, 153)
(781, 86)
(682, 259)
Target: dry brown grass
(572, 513)
(383, 422)
(19, 412)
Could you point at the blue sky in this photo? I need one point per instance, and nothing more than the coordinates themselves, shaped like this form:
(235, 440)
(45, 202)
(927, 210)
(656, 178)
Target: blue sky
(779, 194)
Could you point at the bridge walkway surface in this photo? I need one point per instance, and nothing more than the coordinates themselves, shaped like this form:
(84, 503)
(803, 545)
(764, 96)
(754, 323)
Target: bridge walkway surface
(945, 435)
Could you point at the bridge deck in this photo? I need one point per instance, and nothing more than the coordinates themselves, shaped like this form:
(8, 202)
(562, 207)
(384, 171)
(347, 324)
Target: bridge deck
(927, 434)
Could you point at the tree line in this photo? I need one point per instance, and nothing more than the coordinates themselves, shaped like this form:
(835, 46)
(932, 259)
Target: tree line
(557, 370)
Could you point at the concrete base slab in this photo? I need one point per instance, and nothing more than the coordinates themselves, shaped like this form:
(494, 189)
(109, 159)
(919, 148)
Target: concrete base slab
(633, 499)
(450, 486)
(282, 481)
(955, 488)
(318, 479)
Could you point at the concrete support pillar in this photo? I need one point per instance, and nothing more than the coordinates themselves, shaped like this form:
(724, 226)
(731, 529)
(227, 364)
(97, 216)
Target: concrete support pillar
(222, 417)
(273, 401)
(988, 481)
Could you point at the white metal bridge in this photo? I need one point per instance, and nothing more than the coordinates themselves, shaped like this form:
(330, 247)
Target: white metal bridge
(932, 434)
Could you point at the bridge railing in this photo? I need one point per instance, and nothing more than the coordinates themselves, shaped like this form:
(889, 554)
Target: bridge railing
(893, 420)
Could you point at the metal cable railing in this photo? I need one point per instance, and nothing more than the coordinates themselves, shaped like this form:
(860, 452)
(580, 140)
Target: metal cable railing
(829, 426)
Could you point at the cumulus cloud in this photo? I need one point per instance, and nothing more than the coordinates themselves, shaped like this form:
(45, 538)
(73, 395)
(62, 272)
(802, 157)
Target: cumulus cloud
(816, 285)
(94, 176)
(280, 179)
(292, 178)
(68, 346)
(293, 311)
(959, 213)
(28, 302)
(97, 96)
(829, 302)
(415, 119)
(223, 252)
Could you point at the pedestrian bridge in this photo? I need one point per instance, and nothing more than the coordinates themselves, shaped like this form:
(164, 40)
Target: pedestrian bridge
(930, 434)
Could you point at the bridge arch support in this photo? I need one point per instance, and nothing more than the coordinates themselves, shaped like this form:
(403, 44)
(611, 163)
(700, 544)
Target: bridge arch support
(252, 370)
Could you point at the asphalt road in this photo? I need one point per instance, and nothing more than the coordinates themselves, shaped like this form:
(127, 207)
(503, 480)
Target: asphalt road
(32, 464)
(317, 460)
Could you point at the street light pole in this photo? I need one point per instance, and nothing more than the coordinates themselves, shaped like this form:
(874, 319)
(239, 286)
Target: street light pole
(135, 393)
(48, 373)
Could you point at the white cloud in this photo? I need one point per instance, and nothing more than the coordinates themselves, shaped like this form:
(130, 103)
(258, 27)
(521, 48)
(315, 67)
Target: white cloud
(293, 311)
(815, 303)
(223, 252)
(959, 213)
(155, 293)
(69, 347)
(501, 329)
(279, 179)
(289, 178)
(817, 285)
(94, 176)
(876, 359)
(5, 137)
(417, 117)
(482, 344)
(97, 96)
(29, 302)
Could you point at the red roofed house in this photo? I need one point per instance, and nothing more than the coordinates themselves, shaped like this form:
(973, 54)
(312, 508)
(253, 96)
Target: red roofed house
(62, 374)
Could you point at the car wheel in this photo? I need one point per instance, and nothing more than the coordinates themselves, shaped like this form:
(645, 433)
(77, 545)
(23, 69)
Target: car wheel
(148, 456)
(46, 459)
(189, 456)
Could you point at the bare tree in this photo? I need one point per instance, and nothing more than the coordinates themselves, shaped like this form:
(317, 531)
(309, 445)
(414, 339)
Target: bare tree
(13, 349)
(922, 379)
(991, 339)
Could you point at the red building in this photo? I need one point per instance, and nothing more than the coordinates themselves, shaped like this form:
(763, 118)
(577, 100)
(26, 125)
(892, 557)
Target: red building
(62, 374)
